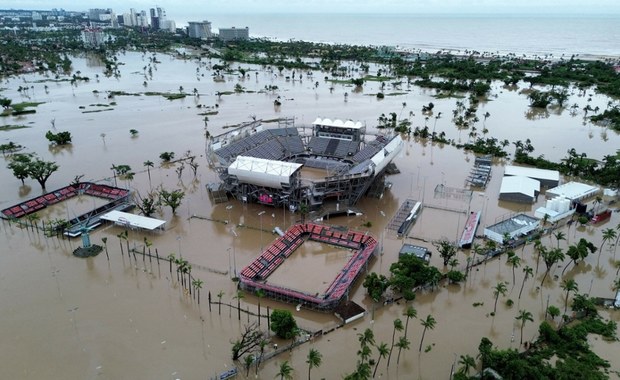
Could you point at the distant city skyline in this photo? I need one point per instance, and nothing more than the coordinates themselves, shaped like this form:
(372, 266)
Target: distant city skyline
(200, 9)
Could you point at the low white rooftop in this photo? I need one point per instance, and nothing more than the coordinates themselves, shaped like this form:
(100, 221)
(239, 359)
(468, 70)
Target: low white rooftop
(520, 184)
(132, 220)
(573, 190)
(552, 175)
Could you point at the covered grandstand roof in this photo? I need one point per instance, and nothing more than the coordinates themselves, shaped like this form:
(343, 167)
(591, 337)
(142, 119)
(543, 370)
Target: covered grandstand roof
(337, 123)
(259, 171)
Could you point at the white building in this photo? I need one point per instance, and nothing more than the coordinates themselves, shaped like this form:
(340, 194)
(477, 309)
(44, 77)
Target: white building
(199, 29)
(575, 191)
(231, 34)
(512, 227)
(519, 189)
(547, 178)
(93, 37)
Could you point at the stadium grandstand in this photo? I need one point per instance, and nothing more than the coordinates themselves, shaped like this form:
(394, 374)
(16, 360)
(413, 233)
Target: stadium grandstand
(254, 276)
(289, 166)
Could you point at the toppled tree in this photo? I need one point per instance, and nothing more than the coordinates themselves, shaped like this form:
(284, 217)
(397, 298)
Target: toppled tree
(148, 205)
(250, 338)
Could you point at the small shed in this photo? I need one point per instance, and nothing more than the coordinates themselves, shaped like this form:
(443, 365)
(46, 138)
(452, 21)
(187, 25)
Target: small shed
(519, 189)
(416, 250)
(547, 178)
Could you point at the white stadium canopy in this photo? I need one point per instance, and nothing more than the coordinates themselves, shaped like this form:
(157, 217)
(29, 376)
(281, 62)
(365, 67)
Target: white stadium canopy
(262, 172)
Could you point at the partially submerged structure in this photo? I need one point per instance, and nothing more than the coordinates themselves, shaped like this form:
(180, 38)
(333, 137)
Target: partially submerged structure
(574, 191)
(118, 199)
(285, 166)
(519, 189)
(547, 178)
(512, 227)
(363, 246)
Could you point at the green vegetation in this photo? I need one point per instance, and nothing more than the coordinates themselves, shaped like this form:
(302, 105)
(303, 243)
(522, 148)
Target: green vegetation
(60, 138)
(376, 285)
(410, 272)
(556, 354)
(283, 324)
(12, 126)
(29, 166)
(603, 172)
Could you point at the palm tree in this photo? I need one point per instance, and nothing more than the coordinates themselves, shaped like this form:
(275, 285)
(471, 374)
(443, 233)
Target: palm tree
(286, 371)
(500, 288)
(617, 238)
(528, 272)
(608, 234)
(383, 351)
(314, 360)
(410, 312)
(197, 285)
(524, 316)
(398, 326)
(105, 245)
(367, 338)
(148, 164)
(559, 236)
(515, 262)
(568, 286)
(551, 258)
(466, 362)
(219, 302)
(428, 323)
(402, 344)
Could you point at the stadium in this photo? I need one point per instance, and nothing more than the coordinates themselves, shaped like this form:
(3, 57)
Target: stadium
(288, 166)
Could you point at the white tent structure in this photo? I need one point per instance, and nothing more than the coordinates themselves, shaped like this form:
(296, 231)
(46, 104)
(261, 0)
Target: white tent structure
(519, 189)
(133, 221)
(547, 178)
(262, 172)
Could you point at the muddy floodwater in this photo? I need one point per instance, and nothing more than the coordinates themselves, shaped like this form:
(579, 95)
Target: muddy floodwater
(64, 317)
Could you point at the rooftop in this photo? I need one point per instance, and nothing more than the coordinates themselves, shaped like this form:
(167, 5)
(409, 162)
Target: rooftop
(552, 175)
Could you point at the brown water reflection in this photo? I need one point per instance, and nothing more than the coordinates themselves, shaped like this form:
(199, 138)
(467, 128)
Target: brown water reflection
(64, 317)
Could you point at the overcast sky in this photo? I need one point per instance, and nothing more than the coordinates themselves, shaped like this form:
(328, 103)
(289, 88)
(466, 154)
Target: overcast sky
(200, 9)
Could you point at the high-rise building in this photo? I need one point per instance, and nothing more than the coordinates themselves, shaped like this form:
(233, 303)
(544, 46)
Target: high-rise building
(199, 29)
(231, 34)
(93, 37)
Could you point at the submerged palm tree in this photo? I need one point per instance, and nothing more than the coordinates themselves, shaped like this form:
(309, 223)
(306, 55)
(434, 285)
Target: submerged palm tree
(568, 286)
(466, 362)
(410, 312)
(428, 323)
(383, 352)
(314, 360)
(402, 344)
(500, 288)
(398, 326)
(524, 316)
(528, 273)
(286, 371)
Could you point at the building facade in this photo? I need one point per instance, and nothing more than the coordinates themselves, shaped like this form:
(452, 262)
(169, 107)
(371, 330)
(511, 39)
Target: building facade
(232, 34)
(199, 29)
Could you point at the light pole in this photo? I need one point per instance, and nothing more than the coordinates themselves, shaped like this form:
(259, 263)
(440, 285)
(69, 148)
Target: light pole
(228, 208)
(260, 214)
(179, 241)
(234, 252)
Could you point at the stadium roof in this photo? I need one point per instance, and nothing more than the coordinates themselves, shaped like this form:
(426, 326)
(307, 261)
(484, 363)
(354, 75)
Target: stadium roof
(519, 184)
(262, 172)
(337, 123)
(551, 175)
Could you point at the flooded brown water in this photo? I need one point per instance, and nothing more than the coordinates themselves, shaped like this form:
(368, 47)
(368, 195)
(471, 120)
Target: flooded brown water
(64, 317)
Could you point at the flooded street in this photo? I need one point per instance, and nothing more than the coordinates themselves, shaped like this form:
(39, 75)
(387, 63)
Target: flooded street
(65, 317)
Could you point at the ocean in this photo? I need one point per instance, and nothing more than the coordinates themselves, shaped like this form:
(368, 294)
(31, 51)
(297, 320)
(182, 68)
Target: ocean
(540, 35)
